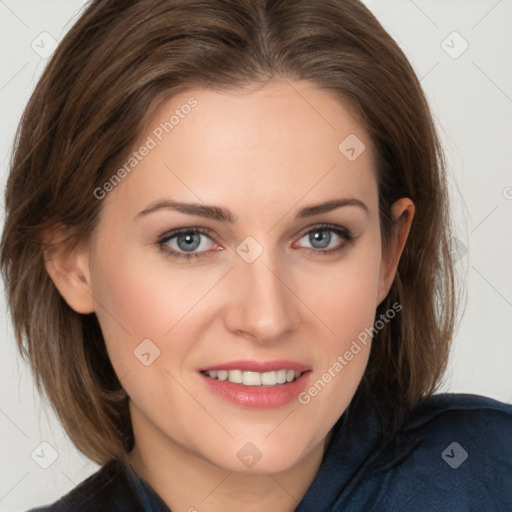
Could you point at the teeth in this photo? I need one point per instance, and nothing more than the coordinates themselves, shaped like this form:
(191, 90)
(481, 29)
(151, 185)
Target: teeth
(281, 376)
(268, 379)
(235, 376)
(255, 378)
(252, 378)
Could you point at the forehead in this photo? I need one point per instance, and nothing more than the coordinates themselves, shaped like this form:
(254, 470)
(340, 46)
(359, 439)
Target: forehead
(250, 148)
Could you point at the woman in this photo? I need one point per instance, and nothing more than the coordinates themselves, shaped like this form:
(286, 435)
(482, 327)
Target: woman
(227, 253)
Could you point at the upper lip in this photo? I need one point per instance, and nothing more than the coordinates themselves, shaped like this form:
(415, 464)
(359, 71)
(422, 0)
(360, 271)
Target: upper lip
(258, 366)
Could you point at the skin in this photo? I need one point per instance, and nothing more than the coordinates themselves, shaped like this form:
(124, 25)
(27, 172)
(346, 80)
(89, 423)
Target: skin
(263, 153)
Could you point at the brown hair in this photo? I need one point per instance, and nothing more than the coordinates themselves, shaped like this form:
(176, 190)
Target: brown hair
(117, 62)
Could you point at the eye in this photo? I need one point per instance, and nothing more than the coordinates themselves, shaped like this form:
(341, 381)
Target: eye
(326, 239)
(186, 243)
(193, 243)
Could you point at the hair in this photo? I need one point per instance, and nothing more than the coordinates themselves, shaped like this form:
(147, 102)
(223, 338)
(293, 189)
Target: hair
(119, 61)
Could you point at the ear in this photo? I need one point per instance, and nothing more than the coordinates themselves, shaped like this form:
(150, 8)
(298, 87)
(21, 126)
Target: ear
(68, 268)
(402, 212)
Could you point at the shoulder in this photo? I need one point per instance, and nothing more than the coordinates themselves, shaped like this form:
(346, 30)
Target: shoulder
(460, 413)
(106, 490)
(480, 426)
(483, 424)
(455, 452)
(476, 407)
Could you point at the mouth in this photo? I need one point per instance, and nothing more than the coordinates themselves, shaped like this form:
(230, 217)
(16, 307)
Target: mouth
(256, 384)
(249, 378)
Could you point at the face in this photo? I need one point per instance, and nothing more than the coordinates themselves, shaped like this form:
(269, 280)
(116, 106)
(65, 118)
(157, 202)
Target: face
(269, 276)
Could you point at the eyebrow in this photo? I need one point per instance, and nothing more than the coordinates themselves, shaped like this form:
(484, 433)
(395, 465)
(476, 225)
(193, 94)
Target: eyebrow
(224, 215)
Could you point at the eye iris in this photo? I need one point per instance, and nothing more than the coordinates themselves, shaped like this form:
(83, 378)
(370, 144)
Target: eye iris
(321, 237)
(191, 241)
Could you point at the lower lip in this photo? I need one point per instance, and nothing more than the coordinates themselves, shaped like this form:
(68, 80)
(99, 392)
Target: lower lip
(258, 397)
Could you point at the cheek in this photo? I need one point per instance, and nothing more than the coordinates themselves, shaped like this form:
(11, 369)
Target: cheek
(133, 304)
(345, 295)
(345, 300)
(141, 298)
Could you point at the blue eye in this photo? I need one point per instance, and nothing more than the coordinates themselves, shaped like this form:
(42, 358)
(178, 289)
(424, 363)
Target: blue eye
(182, 243)
(320, 239)
(190, 243)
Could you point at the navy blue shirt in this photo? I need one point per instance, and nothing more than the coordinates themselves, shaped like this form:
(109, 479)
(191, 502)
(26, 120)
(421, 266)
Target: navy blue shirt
(453, 454)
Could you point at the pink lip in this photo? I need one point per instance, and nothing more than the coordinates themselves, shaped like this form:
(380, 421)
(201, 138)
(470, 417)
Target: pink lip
(258, 366)
(258, 397)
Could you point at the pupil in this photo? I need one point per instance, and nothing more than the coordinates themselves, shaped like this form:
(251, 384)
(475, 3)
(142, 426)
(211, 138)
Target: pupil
(321, 237)
(188, 241)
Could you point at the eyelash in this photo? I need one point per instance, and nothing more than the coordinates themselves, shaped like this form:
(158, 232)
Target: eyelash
(174, 255)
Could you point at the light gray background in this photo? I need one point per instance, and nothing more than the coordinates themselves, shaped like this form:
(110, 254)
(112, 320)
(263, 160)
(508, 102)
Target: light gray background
(471, 96)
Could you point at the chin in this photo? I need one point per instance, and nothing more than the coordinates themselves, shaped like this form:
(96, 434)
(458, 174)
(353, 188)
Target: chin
(262, 457)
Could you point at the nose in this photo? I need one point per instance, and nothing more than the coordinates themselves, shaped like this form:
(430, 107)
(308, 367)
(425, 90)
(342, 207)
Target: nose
(263, 306)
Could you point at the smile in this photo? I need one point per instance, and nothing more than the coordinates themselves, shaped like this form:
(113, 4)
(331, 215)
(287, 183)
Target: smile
(257, 384)
(249, 378)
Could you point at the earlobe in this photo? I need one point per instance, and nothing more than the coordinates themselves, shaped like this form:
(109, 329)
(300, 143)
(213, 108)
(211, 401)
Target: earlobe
(402, 212)
(68, 268)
